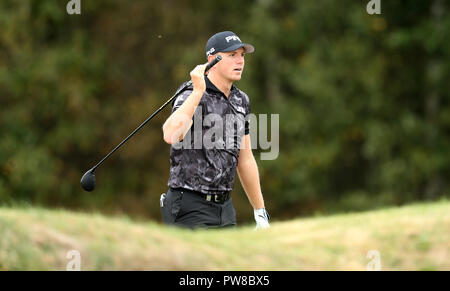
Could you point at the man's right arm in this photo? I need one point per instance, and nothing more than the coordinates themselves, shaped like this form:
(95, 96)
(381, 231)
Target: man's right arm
(179, 122)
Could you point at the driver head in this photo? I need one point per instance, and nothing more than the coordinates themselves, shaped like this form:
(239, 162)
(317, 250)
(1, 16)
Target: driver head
(88, 181)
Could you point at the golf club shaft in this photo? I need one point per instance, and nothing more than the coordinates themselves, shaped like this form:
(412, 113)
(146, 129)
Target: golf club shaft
(136, 130)
(209, 66)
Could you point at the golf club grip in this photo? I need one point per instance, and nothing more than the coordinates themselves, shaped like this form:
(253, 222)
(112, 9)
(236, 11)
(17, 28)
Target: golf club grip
(209, 66)
(213, 62)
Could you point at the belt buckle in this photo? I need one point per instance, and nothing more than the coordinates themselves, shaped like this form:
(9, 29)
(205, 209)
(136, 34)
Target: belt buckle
(208, 197)
(215, 198)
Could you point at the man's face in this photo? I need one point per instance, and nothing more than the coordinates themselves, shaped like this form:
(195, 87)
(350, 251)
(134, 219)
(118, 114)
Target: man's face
(231, 66)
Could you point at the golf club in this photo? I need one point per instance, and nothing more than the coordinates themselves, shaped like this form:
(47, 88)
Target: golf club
(88, 179)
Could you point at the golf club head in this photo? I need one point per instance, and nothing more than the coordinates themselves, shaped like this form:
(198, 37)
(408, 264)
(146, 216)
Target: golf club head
(88, 180)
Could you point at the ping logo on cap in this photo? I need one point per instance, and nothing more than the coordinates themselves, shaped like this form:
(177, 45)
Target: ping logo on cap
(232, 37)
(210, 51)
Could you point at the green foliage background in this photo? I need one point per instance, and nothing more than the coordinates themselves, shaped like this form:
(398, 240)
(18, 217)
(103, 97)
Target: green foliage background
(363, 99)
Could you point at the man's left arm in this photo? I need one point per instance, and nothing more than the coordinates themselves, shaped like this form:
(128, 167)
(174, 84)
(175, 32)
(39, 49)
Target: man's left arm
(249, 177)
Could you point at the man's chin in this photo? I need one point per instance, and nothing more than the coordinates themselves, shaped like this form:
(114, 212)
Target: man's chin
(235, 78)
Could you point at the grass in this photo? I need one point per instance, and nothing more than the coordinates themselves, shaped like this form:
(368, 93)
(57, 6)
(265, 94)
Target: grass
(415, 237)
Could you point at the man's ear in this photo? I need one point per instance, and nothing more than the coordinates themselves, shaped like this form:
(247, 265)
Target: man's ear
(211, 57)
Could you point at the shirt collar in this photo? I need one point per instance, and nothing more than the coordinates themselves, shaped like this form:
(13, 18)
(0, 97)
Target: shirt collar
(212, 87)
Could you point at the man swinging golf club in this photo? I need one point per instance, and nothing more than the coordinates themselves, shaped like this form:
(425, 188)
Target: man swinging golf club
(202, 178)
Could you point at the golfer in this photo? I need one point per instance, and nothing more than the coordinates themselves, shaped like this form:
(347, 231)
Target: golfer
(202, 177)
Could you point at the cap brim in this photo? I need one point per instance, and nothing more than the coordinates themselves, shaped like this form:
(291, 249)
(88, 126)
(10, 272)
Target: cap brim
(248, 48)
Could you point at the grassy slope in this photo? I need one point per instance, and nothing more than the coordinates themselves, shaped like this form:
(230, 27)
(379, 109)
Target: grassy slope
(408, 238)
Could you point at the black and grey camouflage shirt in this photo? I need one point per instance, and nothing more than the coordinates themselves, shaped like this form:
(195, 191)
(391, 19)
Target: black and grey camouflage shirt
(206, 159)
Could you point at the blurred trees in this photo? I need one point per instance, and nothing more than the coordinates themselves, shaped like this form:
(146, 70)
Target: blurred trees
(363, 99)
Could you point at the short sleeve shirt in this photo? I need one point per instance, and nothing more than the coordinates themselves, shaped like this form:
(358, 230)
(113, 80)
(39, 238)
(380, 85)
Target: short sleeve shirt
(206, 159)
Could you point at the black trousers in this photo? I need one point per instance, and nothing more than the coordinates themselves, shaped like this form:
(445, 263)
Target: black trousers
(188, 209)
